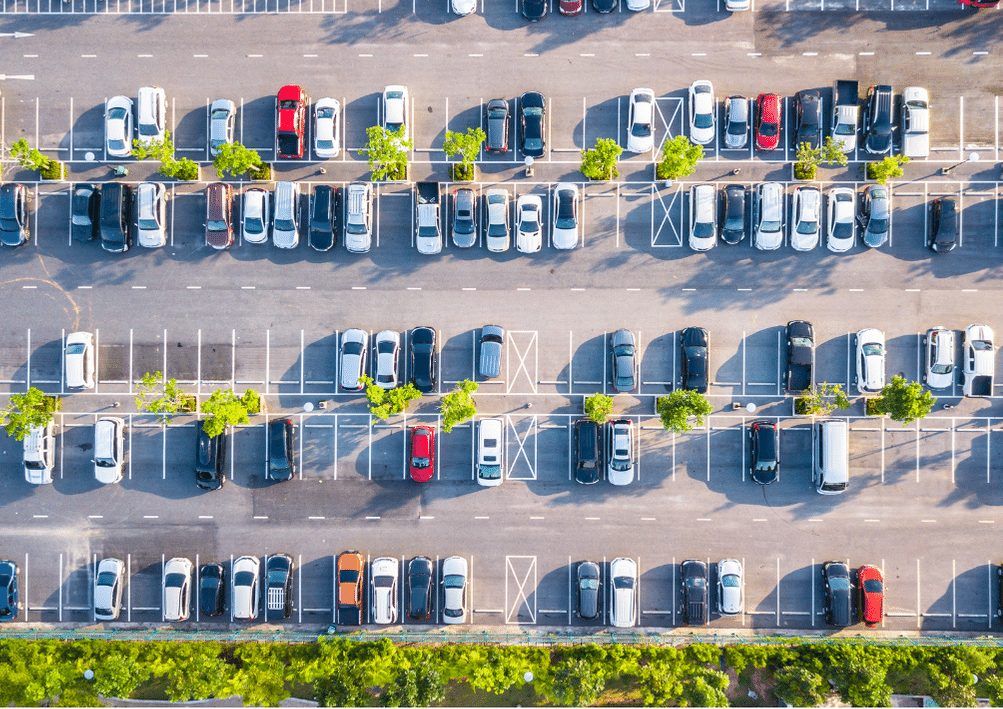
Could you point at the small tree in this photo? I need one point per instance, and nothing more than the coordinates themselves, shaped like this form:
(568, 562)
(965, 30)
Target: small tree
(25, 411)
(34, 159)
(885, 169)
(821, 400)
(183, 169)
(384, 403)
(807, 162)
(236, 160)
(387, 153)
(599, 162)
(682, 410)
(831, 153)
(162, 150)
(598, 407)
(468, 147)
(679, 158)
(458, 405)
(904, 401)
(224, 408)
(159, 396)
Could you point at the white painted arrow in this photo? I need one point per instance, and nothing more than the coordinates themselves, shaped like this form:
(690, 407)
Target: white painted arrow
(28, 77)
(16, 35)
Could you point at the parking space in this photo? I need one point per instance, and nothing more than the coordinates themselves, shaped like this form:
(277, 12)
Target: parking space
(387, 451)
(318, 455)
(658, 590)
(353, 435)
(144, 591)
(657, 358)
(762, 361)
(455, 451)
(588, 366)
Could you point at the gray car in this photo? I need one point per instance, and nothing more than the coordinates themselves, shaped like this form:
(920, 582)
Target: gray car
(876, 211)
(623, 361)
(492, 346)
(736, 122)
(588, 590)
(222, 114)
(464, 218)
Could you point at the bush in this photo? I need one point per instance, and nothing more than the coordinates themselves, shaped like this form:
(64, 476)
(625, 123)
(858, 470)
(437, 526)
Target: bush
(821, 400)
(236, 160)
(157, 396)
(458, 405)
(679, 158)
(251, 400)
(34, 159)
(887, 168)
(598, 407)
(682, 410)
(27, 410)
(162, 150)
(806, 166)
(53, 170)
(384, 403)
(904, 401)
(599, 162)
(183, 169)
(468, 147)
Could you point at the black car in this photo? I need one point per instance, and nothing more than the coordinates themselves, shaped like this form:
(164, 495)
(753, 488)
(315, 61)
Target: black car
(733, 211)
(878, 120)
(694, 346)
(212, 589)
(533, 118)
(210, 459)
(14, 229)
(8, 591)
(588, 445)
(943, 225)
(808, 114)
(85, 212)
(604, 6)
(424, 358)
(496, 118)
(325, 206)
(534, 10)
(838, 594)
(695, 592)
(999, 590)
(279, 585)
(419, 588)
(764, 452)
(116, 207)
(588, 590)
(282, 449)
(800, 356)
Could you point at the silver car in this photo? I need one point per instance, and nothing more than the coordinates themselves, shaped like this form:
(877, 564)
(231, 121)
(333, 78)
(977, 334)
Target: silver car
(736, 122)
(877, 215)
(151, 215)
(497, 233)
(354, 343)
(255, 214)
(222, 115)
(769, 216)
(940, 347)
(387, 348)
(730, 587)
(118, 126)
(108, 582)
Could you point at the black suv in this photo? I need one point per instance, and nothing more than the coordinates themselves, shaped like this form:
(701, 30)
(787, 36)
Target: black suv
(694, 345)
(282, 449)
(210, 459)
(943, 225)
(419, 588)
(212, 589)
(838, 588)
(497, 121)
(694, 592)
(764, 452)
(808, 113)
(14, 229)
(85, 212)
(533, 118)
(588, 444)
(325, 206)
(878, 120)
(116, 207)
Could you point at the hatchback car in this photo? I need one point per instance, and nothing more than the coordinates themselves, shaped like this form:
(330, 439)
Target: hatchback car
(464, 229)
(841, 220)
(940, 346)
(354, 347)
(764, 452)
(694, 353)
(290, 117)
(212, 590)
(419, 588)
(623, 592)
(325, 214)
(108, 582)
(109, 449)
(244, 596)
(640, 121)
(870, 361)
(871, 585)
(736, 122)
(565, 230)
(283, 450)
(587, 582)
(838, 589)
(387, 347)
(733, 222)
(421, 458)
(730, 587)
(490, 350)
(222, 116)
(118, 127)
(620, 453)
(695, 591)
(14, 227)
(210, 459)
(769, 216)
(151, 215)
(78, 360)
(532, 119)
(943, 225)
(534, 10)
(9, 594)
(876, 215)
(915, 122)
(384, 572)
(496, 232)
(424, 358)
(85, 212)
(177, 589)
(529, 223)
(496, 117)
(327, 128)
(151, 114)
(768, 121)
(807, 226)
(703, 217)
(808, 116)
(623, 361)
(256, 215)
(454, 590)
(396, 109)
(702, 109)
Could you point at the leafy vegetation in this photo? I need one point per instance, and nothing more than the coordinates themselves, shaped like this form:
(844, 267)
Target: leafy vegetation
(904, 401)
(27, 410)
(387, 152)
(458, 405)
(821, 400)
(598, 407)
(599, 162)
(885, 169)
(157, 395)
(224, 408)
(468, 147)
(682, 410)
(34, 159)
(236, 160)
(384, 403)
(679, 158)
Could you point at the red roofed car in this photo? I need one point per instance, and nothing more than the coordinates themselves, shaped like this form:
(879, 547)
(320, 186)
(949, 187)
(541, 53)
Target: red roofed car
(872, 594)
(768, 115)
(421, 464)
(980, 3)
(290, 116)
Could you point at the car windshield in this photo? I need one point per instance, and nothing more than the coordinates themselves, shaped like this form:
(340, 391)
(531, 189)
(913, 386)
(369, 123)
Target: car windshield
(769, 225)
(353, 348)
(34, 465)
(243, 578)
(839, 583)
(589, 584)
(284, 225)
(148, 129)
(641, 130)
(104, 462)
(621, 461)
(807, 227)
(420, 462)
(703, 120)
(253, 225)
(703, 230)
(453, 581)
(845, 129)
(116, 144)
(698, 582)
(734, 223)
(731, 581)
(106, 578)
(877, 226)
(220, 114)
(288, 143)
(490, 472)
(287, 105)
(842, 230)
(623, 582)
(174, 580)
(325, 113)
(737, 128)
(766, 466)
(148, 224)
(323, 144)
(872, 586)
(982, 345)
(768, 129)
(942, 368)
(216, 225)
(117, 114)
(348, 576)
(76, 348)
(529, 224)
(873, 349)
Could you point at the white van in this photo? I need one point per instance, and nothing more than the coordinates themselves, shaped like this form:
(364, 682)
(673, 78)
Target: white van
(490, 444)
(109, 444)
(831, 454)
(39, 448)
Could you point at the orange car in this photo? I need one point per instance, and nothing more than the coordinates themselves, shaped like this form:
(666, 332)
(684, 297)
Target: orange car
(350, 570)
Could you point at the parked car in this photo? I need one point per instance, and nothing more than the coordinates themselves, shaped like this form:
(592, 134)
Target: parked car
(807, 208)
(14, 227)
(283, 450)
(529, 210)
(496, 233)
(703, 112)
(383, 574)
(588, 451)
(736, 122)
(841, 213)
(278, 585)
(587, 586)
(424, 358)
(640, 121)
(396, 109)
(354, 347)
(764, 452)
(219, 215)
(604, 7)
(109, 579)
(9, 596)
(876, 215)
(78, 360)
(808, 114)
(703, 217)
(464, 218)
(350, 570)
(290, 115)
(534, 10)
(800, 374)
(979, 363)
(462, 7)
(39, 454)
(116, 215)
(769, 216)
(85, 212)
(151, 114)
(768, 121)
(623, 592)
(118, 127)
(878, 120)
(870, 377)
(386, 347)
(359, 217)
(327, 128)
(694, 351)
(838, 590)
(212, 590)
(532, 119)
(496, 118)
(871, 585)
(915, 122)
(492, 346)
(940, 346)
(454, 590)
(623, 361)
(421, 461)
(151, 215)
(490, 452)
(210, 459)
(570, 8)
(730, 587)
(325, 215)
(620, 455)
(244, 595)
(734, 223)
(419, 588)
(109, 449)
(256, 215)
(695, 592)
(177, 589)
(943, 225)
(565, 230)
(222, 116)
(286, 215)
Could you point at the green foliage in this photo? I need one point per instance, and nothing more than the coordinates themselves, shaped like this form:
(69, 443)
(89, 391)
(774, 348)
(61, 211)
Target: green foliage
(159, 396)
(598, 407)
(34, 159)
(904, 401)
(468, 147)
(162, 150)
(952, 673)
(599, 162)
(419, 685)
(194, 671)
(679, 158)
(682, 410)
(384, 403)
(224, 408)
(236, 160)
(458, 405)
(806, 165)
(251, 401)
(831, 153)
(387, 152)
(800, 686)
(577, 681)
(119, 674)
(885, 169)
(821, 400)
(24, 411)
(183, 169)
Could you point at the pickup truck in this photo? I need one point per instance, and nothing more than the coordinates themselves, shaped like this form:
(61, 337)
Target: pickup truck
(695, 592)
(980, 361)
(428, 234)
(800, 356)
(350, 599)
(279, 584)
(845, 114)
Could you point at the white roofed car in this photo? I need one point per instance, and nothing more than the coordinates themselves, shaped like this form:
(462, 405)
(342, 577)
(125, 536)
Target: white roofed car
(462, 7)
(841, 214)
(737, 5)
(807, 208)
(454, 590)
(703, 217)
(640, 128)
(638, 5)
(388, 344)
(222, 116)
(78, 360)
(109, 449)
(151, 114)
(255, 215)
(703, 121)
(383, 575)
(730, 583)
(870, 361)
(496, 234)
(939, 343)
(118, 126)
(244, 595)
(354, 343)
(623, 592)
(327, 128)
(769, 210)
(108, 582)
(177, 589)
(915, 124)
(395, 109)
(39, 454)
(564, 231)
(620, 456)
(529, 223)
(151, 214)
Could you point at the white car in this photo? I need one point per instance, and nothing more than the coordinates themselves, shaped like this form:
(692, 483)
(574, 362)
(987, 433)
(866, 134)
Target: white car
(285, 217)
(730, 587)
(641, 118)
(620, 453)
(737, 5)
(108, 583)
(354, 343)
(118, 127)
(496, 234)
(383, 575)
(769, 209)
(529, 221)
(177, 589)
(244, 592)
(78, 360)
(387, 345)
(454, 590)
(870, 361)
(151, 114)
(915, 122)
(255, 215)
(564, 230)
(327, 128)
(359, 217)
(703, 217)
(807, 226)
(736, 122)
(623, 592)
(940, 344)
(702, 108)
(395, 109)
(462, 7)
(222, 116)
(109, 449)
(490, 444)
(151, 215)
(841, 234)
(638, 5)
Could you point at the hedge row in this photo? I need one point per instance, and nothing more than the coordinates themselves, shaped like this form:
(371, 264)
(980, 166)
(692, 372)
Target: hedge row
(341, 672)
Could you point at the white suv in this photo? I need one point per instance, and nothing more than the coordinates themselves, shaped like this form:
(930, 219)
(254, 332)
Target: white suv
(383, 573)
(623, 592)
(109, 449)
(244, 594)
(151, 215)
(939, 343)
(703, 217)
(151, 114)
(620, 456)
(358, 217)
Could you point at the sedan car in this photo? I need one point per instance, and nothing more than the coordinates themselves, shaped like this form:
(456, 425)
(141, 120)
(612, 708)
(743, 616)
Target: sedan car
(85, 212)
(703, 109)
(534, 10)
(396, 111)
(255, 215)
(565, 229)
(915, 122)
(695, 591)
(640, 121)
(464, 218)
(383, 574)
(419, 588)
(694, 352)
(736, 122)
(841, 231)
(807, 226)
(424, 357)
(703, 217)
(78, 360)
(387, 347)
(496, 116)
(764, 452)
(421, 460)
(943, 225)
(532, 119)
(769, 216)
(210, 459)
(838, 594)
(9, 595)
(623, 592)
(177, 589)
(870, 361)
(730, 587)
(939, 344)
(768, 121)
(496, 232)
(222, 116)
(354, 346)
(327, 128)
(733, 220)
(325, 216)
(118, 127)
(14, 227)
(623, 361)
(151, 215)
(620, 453)
(871, 585)
(587, 588)
(876, 215)
(109, 579)
(212, 590)
(529, 223)
(244, 595)
(454, 590)
(808, 115)
(570, 8)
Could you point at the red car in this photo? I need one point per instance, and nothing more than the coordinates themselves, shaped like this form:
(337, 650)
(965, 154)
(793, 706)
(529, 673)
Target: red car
(570, 7)
(421, 464)
(768, 117)
(980, 3)
(290, 115)
(872, 594)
